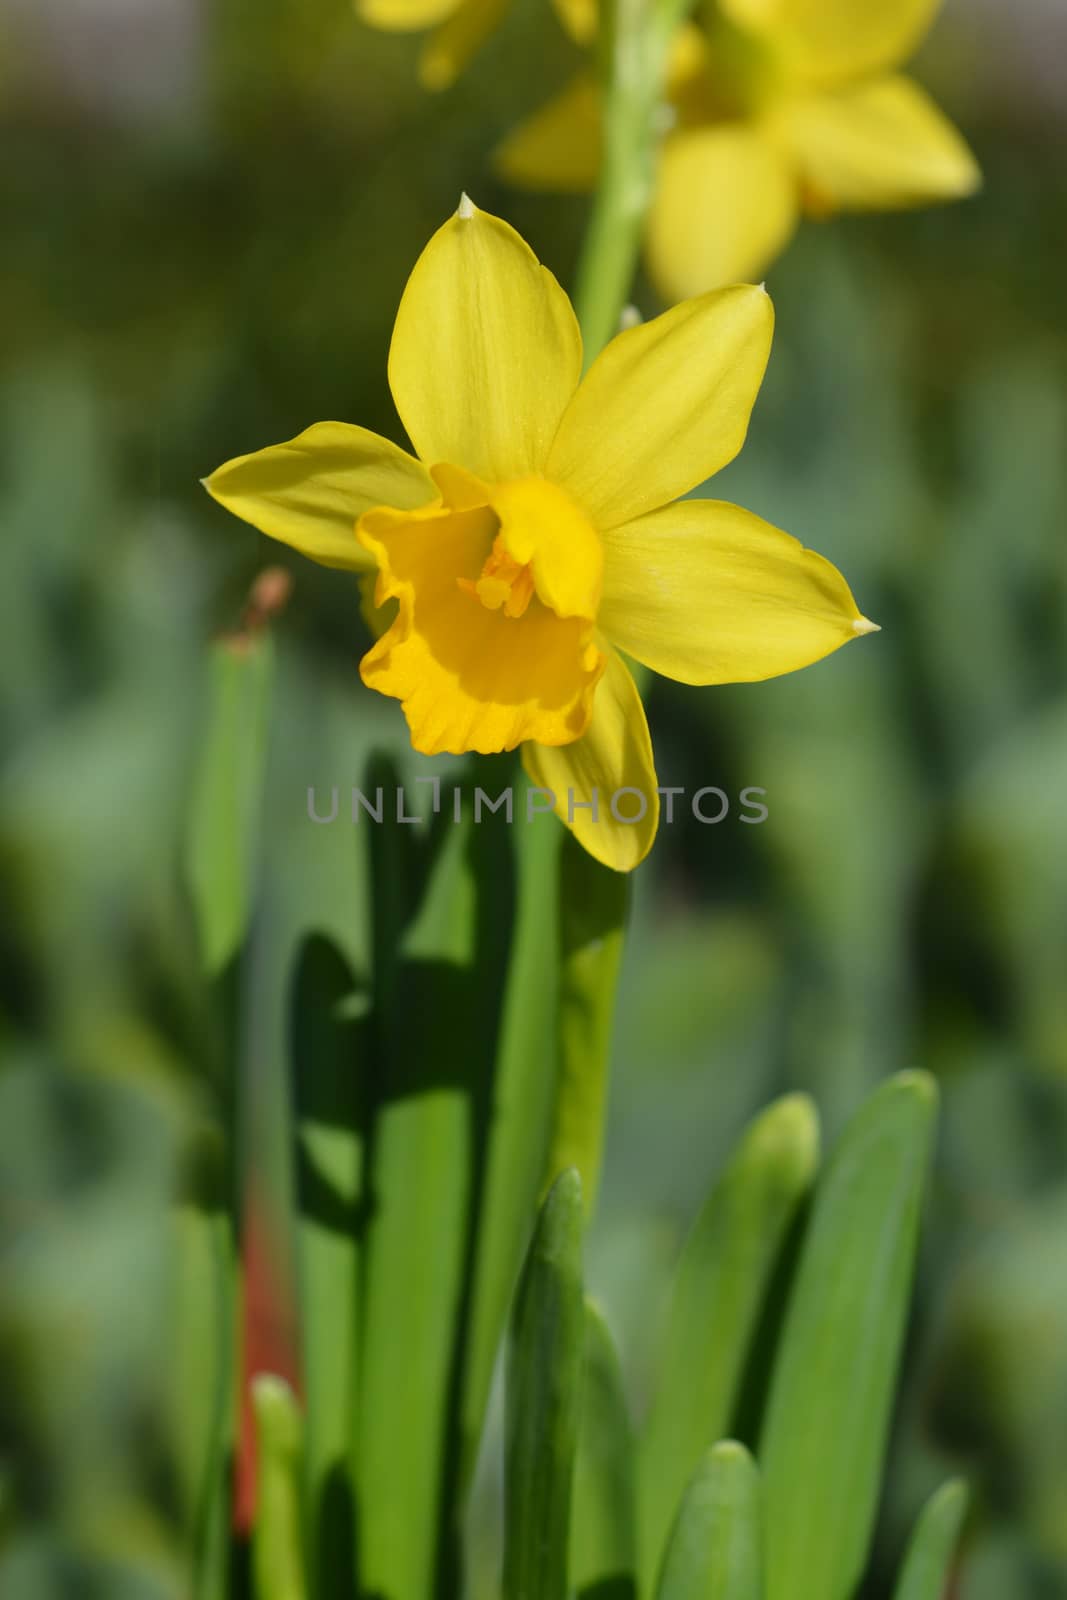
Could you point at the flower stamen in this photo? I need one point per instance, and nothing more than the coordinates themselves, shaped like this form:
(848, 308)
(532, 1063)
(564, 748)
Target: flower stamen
(505, 584)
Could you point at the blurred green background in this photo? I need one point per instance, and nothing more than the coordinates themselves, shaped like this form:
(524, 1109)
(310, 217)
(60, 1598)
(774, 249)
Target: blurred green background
(210, 210)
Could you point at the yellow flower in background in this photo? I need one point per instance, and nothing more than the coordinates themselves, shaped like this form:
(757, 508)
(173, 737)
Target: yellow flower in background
(537, 531)
(781, 108)
(459, 28)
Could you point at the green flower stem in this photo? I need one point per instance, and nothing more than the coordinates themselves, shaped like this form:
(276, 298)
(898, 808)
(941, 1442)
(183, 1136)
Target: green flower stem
(524, 1095)
(593, 904)
(635, 41)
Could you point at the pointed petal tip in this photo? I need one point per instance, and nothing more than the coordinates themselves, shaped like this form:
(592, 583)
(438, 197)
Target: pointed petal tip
(865, 625)
(465, 209)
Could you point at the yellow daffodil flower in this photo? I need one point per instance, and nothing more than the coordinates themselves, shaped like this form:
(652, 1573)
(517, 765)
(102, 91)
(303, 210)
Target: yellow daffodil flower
(459, 27)
(780, 107)
(537, 531)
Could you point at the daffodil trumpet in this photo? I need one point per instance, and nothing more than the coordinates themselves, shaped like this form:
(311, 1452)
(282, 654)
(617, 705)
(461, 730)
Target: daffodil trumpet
(538, 534)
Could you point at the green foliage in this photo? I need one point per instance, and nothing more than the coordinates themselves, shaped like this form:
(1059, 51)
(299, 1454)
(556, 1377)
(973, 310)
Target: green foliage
(203, 1388)
(829, 1383)
(715, 1550)
(329, 1066)
(719, 1291)
(823, 1439)
(602, 1562)
(432, 1036)
(277, 1538)
(928, 1563)
(544, 1401)
(226, 802)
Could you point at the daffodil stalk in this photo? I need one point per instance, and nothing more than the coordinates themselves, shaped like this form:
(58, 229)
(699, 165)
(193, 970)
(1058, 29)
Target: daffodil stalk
(634, 47)
(593, 906)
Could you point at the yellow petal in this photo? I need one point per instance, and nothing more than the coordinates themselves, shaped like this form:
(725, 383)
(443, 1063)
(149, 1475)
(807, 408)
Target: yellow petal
(405, 16)
(470, 678)
(882, 145)
(725, 205)
(705, 592)
(664, 406)
(460, 490)
(559, 146)
(456, 40)
(310, 492)
(830, 41)
(486, 350)
(614, 755)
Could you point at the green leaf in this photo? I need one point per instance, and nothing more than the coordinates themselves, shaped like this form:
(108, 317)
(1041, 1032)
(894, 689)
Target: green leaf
(715, 1548)
(437, 999)
(203, 1389)
(603, 1549)
(928, 1563)
(223, 829)
(543, 1399)
(719, 1290)
(523, 1094)
(828, 1412)
(277, 1547)
(593, 903)
(328, 1058)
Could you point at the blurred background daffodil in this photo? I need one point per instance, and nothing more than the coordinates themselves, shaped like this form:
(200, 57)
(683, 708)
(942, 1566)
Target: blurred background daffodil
(778, 109)
(457, 27)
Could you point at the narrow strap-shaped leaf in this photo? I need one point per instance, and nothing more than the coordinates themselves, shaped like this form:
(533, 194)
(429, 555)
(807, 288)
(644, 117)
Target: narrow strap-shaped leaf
(722, 1278)
(420, 1186)
(543, 1400)
(603, 1544)
(928, 1561)
(328, 1049)
(715, 1551)
(827, 1418)
(204, 1390)
(523, 1093)
(436, 1022)
(223, 830)
(593, 903)
(277, 1545)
